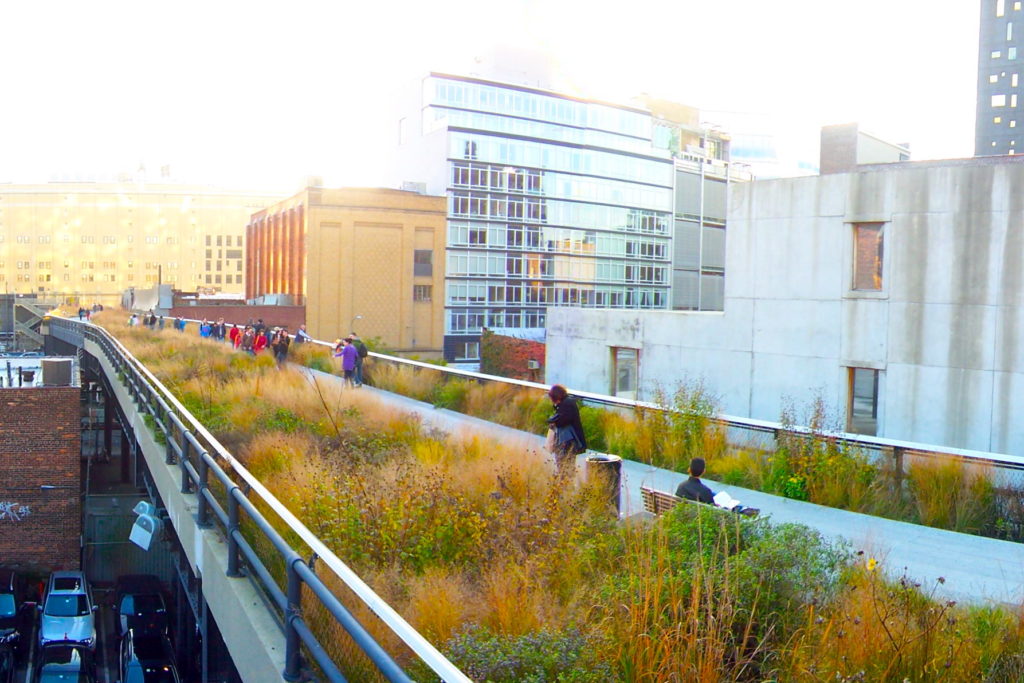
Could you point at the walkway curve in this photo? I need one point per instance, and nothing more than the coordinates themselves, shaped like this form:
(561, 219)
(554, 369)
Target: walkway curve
(956, 566)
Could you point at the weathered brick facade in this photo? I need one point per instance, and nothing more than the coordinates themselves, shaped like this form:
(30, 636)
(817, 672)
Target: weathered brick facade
(40, 447)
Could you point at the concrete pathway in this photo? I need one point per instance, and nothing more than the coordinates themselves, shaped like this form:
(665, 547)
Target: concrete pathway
(975, 569)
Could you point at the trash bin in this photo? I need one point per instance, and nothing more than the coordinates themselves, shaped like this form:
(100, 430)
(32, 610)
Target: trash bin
(609, 469)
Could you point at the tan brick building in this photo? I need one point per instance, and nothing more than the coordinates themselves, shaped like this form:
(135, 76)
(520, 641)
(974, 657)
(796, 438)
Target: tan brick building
(371, 259)
(95, 240)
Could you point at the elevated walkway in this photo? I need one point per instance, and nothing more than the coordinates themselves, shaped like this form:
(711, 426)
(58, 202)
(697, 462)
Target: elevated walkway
(972, 568)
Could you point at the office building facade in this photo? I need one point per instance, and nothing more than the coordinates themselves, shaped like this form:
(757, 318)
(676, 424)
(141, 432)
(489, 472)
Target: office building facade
(1000, 109)
(552, 201)
(91, 241)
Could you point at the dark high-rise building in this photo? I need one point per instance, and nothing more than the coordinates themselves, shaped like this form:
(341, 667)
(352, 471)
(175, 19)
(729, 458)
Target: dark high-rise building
(1000, 113)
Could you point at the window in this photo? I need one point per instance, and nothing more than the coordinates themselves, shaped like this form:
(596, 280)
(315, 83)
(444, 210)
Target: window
(422, 292)
(996, 54)
(625, 364)
(109, 239)
(152, 239)
(88, 239)
(44, 239)
(1013, 80)
(22, 239)
(1011, 53)
(1000, 7)
(867, 256)
(423, 262)
(997, 119)
(993, 78)
(1009, 32)
(999, 100)
(219, 239)
(467, 351)
(862, 412)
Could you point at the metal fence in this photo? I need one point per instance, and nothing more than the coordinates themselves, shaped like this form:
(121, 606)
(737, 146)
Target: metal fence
(212, 474)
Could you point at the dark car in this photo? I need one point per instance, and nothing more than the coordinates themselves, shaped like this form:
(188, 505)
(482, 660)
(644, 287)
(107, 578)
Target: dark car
(65, 663)
(139, 605)
(147, 659)
(17, 610)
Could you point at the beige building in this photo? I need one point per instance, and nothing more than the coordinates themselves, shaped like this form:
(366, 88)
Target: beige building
(364, 259)
(94, 240)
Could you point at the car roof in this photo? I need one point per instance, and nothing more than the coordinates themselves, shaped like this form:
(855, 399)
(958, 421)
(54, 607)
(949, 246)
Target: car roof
(138, 583)
(67, 582)
(63, 653)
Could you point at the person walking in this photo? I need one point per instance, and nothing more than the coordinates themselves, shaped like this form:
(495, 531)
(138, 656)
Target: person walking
(361, 353)
(569, 439)
(280, 345)
(233, 334)
(348, 355)
(301, 336)
(259, 341)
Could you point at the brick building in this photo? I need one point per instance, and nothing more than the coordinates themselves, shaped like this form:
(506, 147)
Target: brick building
(361, 259)
(40, 477)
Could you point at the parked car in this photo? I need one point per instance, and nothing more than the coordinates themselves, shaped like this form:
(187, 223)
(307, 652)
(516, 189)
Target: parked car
(17, 610)
(147, 659)
(65, 663)
(140, 606)
(68, 612)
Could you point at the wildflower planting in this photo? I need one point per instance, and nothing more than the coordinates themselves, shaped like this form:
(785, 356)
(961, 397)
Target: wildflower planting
(519, 573)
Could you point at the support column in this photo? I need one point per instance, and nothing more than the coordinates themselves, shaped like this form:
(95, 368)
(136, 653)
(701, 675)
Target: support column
(108, 423)
(125, 454)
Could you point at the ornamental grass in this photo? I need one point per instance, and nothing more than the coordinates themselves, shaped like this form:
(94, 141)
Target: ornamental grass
(519, 573)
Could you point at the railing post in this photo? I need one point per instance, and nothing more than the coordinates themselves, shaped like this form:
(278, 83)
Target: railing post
(186, 480)
(897, 467)
(169, 441)
(292, 663)
(202, 513)
(232, 528)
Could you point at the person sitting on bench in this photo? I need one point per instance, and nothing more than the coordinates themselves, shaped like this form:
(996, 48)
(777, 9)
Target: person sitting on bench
(694, 489)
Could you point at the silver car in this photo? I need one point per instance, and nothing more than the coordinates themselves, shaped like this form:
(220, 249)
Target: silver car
(68, 612)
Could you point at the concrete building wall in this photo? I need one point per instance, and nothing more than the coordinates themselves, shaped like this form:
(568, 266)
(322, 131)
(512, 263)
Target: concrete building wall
(94, 240)
(40, 480)
(946, 330)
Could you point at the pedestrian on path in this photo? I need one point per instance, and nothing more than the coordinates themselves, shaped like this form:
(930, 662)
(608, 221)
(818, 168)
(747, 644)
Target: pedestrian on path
(361, 353)
(348, 355)
(569, 439)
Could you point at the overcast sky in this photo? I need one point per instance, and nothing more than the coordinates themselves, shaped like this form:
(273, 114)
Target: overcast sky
(265, 94)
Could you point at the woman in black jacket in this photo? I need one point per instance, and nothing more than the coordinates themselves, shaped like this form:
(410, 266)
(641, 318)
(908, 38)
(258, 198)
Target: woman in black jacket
(569, 437)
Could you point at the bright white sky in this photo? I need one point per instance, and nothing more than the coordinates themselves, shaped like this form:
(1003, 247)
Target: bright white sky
(267, 93)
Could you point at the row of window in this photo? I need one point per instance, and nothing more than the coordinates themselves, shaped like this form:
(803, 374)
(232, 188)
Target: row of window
(550, 266)
(567, 240)
(1001, 7)
(559, 185)
(532, 293)
(224, 240)
(216, 279)
(435, 118)
(472, 321)
(209, 264)
(91, 239)
(509, 102)
(569, 214)
(91, 265)
(553, 157)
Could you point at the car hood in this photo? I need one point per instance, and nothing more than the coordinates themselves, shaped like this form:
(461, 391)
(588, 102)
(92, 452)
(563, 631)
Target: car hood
(67, 628)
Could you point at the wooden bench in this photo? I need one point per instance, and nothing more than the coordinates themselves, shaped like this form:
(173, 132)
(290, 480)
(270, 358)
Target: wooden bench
(659, 502)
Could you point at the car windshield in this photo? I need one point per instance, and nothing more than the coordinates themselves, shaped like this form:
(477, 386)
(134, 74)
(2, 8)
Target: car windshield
(66, 606)
(64, 677)
(141, 604)
(7, 608)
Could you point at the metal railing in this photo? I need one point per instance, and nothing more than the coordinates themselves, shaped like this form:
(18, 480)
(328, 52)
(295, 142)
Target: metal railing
(895, 449)
(199, 455)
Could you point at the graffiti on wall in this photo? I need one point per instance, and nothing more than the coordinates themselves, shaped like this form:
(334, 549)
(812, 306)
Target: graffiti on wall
(13, 512)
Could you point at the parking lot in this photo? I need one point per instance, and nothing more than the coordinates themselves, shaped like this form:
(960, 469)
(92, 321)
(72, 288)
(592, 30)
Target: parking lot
(106, 645)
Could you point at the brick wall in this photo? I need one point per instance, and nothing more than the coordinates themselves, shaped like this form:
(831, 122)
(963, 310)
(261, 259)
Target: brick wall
(39, 446)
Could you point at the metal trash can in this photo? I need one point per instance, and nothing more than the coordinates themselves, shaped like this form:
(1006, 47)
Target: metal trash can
(609, 469)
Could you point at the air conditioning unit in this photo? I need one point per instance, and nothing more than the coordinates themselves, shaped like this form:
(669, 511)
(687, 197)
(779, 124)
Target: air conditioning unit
(57, 372)
(532, 365)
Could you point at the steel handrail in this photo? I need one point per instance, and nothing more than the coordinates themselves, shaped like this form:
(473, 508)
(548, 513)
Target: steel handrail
(1004, 460)
(432, 657)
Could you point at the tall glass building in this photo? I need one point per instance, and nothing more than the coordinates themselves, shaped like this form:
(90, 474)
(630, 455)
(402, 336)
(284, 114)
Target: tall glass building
(552, 201)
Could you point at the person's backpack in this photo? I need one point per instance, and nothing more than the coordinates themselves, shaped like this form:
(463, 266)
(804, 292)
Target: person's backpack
(361, 348)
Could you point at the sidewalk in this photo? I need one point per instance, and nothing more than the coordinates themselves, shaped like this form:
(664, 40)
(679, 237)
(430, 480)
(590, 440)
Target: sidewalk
(975, 569)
